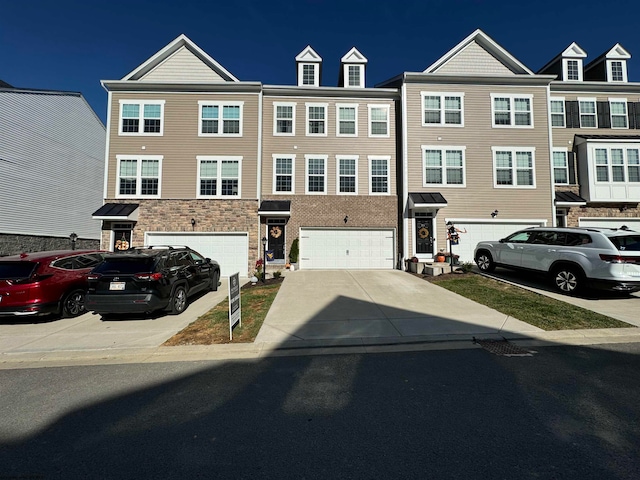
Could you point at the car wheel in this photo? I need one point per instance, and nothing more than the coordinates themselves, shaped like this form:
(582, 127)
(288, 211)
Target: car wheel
(214, 281)
(485, 262)
(568, 279)
(73, 303)
(178, 300)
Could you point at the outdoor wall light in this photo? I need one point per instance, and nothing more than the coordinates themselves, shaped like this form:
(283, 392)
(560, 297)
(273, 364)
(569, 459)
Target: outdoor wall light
(346, 218)
(623, 208)
(494, 214)
(193, 223)
(73, 237)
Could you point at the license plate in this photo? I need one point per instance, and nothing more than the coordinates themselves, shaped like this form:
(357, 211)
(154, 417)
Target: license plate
(116, 286)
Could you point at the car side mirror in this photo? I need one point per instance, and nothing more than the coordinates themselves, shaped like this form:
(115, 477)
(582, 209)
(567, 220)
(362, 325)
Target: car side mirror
(208, 260)
(502, 240)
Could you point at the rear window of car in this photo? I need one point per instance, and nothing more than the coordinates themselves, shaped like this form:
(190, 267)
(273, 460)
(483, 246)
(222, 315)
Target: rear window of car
(16, 270)
(125, 265)
(626, 242)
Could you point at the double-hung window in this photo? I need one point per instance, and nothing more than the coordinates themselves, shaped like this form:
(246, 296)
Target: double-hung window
(317, 119)
(514, 167)
(354, 75)
(283, 173)
(617, 71)
(284, 118)
(617, 164)
(618, 111)
(222, 119)
(138, 176)
(218, 176)
(347, 175)
(141, 117)
(347, 120)
(556, 105)
(379, 175)
(588, 117)
(378, 120)
(316, 174)
(443, 165)
(442, 109)
(512, 110)
(560, 167)
(573, 69)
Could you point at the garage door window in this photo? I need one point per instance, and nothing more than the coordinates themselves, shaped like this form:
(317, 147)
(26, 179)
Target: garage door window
(218, 176)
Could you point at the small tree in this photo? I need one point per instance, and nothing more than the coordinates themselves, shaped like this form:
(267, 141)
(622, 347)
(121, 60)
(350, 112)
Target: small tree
(294, 252)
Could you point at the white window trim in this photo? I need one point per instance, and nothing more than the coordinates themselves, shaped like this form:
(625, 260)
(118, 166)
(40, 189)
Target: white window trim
(139, 159)
(513, 150)
(443, 151)
(141, 131)
(346, 105)
(564, 150)
(220, 105)
(595, 113)
(512, 111)
(306, 173)
(610, 71)
(275, 119)
(387, 158)
(564, 112)
(316, 76)
(220, 158)
(626, 108)
(387, 107)
(346, 157)
(345, 73)
(293, 174)
(326, 120)
(565, 69)
(608, 147)
(442, 96)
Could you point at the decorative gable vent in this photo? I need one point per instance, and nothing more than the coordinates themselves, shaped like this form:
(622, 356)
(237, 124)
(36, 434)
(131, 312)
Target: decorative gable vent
(309, 68)
(352, 69)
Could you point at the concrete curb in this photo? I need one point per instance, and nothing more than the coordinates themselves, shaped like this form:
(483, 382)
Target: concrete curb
(262, 350)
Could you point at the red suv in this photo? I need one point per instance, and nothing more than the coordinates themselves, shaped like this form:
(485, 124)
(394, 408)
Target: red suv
(46, 282)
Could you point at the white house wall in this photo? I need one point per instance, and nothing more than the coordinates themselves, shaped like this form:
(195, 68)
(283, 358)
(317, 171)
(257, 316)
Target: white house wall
(51, 165)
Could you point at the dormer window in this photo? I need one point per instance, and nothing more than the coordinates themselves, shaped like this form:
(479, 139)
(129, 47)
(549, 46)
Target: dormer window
(354, 75)
(616, 70)
(308, 74)
(352, 69)
(308, 68)
(572, 69)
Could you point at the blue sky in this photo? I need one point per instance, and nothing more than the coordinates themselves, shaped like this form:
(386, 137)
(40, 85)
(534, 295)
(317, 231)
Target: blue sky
(73, 44)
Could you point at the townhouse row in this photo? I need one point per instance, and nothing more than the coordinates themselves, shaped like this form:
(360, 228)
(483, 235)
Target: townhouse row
(367, 177)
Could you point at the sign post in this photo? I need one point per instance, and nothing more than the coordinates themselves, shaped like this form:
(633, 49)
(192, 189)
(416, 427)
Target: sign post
(234, 303)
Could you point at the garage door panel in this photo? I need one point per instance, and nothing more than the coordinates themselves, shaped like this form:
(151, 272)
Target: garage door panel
(483, 231)
(231, 250)
(346, 248)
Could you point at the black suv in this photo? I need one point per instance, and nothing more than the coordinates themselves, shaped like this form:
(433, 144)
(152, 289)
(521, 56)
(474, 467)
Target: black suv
(146, 279)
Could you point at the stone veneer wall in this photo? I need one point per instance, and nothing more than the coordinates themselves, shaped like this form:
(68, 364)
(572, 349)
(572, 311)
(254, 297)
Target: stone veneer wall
(210, 216)
(603, 211)
(375, 211)
(14, 244)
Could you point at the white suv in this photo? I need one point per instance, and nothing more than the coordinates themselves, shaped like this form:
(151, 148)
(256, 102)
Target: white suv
(574, 258)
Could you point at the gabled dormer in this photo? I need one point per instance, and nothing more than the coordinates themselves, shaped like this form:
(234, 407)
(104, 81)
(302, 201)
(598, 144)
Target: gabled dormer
(568, 65)
(352, 69)
(309, 67)
(611, 66)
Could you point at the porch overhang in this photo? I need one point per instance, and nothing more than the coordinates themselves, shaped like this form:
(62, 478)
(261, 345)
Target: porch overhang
(117, 211)
(427, 200)
(275, 208)
(569, 199)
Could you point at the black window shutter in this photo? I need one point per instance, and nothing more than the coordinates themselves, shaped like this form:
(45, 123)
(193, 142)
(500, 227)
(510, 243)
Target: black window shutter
(572, 113)
(631, 113)
(571, 162)
(637, 114)
(604, 117)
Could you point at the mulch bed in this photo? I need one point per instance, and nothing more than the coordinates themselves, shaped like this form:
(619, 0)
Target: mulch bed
(445, 276)
(268, 281)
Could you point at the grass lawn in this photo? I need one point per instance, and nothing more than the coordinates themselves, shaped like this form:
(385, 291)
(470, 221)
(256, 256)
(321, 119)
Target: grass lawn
(535, 309)
(213, 326)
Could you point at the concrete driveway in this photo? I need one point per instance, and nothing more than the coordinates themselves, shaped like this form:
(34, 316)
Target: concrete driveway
(374, 305)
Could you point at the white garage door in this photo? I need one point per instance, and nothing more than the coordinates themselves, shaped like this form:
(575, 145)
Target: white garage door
(230, 250)
(631, 223)
(346, 248)
(483, 230)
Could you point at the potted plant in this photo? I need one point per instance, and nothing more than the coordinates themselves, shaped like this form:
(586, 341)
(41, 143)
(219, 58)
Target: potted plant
(440, 256)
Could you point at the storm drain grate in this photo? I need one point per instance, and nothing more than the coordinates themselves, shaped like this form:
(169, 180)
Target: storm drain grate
(504, 348)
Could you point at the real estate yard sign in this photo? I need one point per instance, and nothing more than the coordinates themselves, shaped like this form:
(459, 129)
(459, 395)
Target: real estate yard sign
(234, 303)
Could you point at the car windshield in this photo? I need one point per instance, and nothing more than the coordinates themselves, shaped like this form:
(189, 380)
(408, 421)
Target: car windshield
(125, 265)
(16, 270)
(626, 242)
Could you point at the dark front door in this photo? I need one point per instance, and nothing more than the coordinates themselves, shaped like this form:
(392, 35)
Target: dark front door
(424, 235)
(276, 241)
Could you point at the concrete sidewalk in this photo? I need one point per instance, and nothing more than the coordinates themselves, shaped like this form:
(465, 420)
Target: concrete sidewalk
(315, 312)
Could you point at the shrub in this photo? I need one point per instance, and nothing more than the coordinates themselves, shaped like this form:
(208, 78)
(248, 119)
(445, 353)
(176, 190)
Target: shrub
(466, 266)
(277, 274)
(294, 252)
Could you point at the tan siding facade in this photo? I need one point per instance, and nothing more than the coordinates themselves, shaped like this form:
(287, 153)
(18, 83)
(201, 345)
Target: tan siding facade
(180, 144)
(474, 59)
(182, 66)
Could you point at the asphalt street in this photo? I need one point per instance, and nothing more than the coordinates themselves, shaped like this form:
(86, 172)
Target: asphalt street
(561, 413)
